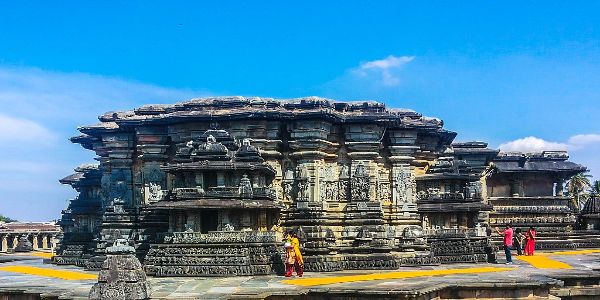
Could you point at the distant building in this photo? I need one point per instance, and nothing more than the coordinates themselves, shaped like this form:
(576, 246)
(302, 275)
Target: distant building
(41, 236)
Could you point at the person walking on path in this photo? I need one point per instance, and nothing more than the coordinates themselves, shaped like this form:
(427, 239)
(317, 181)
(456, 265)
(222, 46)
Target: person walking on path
(508, 242)
(299, 265)
(293, 260)
(530, 245)
(518, 241)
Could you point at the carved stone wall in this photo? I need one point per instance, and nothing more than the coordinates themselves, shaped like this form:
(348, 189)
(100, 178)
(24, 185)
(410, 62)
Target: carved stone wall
(344, 176)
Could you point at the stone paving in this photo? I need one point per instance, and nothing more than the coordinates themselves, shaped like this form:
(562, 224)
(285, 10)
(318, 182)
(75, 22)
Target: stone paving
(259, 287)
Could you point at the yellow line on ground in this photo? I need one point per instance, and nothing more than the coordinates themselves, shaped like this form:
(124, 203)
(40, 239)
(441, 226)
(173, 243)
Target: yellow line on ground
(42, 254)
(572, 252)
(543, 262)
(54, 273)
(390, 275)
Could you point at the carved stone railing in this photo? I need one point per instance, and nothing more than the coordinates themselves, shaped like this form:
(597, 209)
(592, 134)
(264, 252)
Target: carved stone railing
(468, 232)
(441, 197)
(264, 192)
(533, 209)
(221, 237)
(183, 193)
(222, 192)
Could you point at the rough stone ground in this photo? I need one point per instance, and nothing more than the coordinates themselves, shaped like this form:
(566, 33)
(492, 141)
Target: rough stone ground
(543, 271)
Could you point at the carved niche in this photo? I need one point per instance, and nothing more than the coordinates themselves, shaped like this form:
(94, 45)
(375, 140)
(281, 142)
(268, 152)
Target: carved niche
(119, 186)
(288, 184)
(153, 183)
(302, 184)
(404, 185)
(360, 184)
(343, 183)
(328, 187)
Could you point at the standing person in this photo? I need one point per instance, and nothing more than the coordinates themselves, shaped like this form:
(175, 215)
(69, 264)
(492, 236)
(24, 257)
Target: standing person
(530, 245)
(518, 241)
(508, 242)
(290, 259)
(488, 230)
(299, 262)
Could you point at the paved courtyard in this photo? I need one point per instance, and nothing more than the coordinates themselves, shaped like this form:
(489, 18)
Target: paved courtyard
(28, 273)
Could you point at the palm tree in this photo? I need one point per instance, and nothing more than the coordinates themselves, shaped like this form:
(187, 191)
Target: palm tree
(577, 186)
(595, 188)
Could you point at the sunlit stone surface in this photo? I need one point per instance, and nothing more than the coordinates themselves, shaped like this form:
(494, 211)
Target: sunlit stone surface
(208, 187)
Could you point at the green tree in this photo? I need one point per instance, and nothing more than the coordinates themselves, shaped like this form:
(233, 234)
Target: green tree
(595, 188)
(7, 219)
(577, 187)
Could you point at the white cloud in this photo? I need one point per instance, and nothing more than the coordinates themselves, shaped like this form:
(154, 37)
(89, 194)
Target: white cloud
(583, 149)
(383, 70)
(40, 110)
(531, 144)
(23, 130)
(41, 95)
(581, 140)
(535, 144)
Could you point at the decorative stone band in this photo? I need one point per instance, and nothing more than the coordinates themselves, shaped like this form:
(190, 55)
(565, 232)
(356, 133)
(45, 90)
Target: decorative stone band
(223, 192)
(216, 237)
(469, 232)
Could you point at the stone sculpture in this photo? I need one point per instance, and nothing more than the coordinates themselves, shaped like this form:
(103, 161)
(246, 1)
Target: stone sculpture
(122, 276)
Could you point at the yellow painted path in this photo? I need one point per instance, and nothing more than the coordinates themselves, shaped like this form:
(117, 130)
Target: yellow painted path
(41, 254)
(47, 272)
(390, 275)
(544, 262)
(541, 260)
(572, 252)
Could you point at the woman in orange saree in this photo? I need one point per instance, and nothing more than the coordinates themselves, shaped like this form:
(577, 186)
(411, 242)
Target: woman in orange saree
(294, 260)
(299, 263)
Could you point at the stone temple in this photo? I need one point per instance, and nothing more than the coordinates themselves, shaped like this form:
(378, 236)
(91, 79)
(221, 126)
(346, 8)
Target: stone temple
(207, 187)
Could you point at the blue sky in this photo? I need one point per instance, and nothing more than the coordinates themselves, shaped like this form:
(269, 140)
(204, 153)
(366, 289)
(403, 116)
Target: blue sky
(522, 76)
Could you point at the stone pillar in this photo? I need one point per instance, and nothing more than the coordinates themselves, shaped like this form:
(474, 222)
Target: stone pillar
(15, 242)
(35, 242)
(44, 242)
(262, 220)
(221, 179)
(403, 209)
(4, 243)
(515, 187)
(559, 188)
(200, 181)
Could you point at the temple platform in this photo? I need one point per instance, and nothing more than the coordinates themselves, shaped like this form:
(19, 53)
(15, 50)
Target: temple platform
(547, 275)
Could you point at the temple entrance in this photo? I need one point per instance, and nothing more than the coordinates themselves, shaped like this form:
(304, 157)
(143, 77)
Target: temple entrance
(209, 220)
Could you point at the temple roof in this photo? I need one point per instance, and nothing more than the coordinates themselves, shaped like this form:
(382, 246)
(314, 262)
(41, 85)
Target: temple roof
(80, 173)
(231, 108)
(475, 147)
(28, 227)
(547, 161)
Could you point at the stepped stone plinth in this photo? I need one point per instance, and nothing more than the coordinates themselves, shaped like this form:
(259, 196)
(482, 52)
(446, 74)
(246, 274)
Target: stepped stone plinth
(122, 276)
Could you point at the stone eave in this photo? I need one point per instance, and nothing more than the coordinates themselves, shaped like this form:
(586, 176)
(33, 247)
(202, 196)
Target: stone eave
(216, 203)
(210, 107)
(218, 165)
(72, 179)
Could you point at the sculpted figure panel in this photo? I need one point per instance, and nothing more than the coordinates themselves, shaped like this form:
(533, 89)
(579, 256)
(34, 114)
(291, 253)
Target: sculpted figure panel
(360, 185)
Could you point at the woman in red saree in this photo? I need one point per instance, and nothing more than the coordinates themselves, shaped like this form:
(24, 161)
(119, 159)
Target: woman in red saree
(530, 244)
